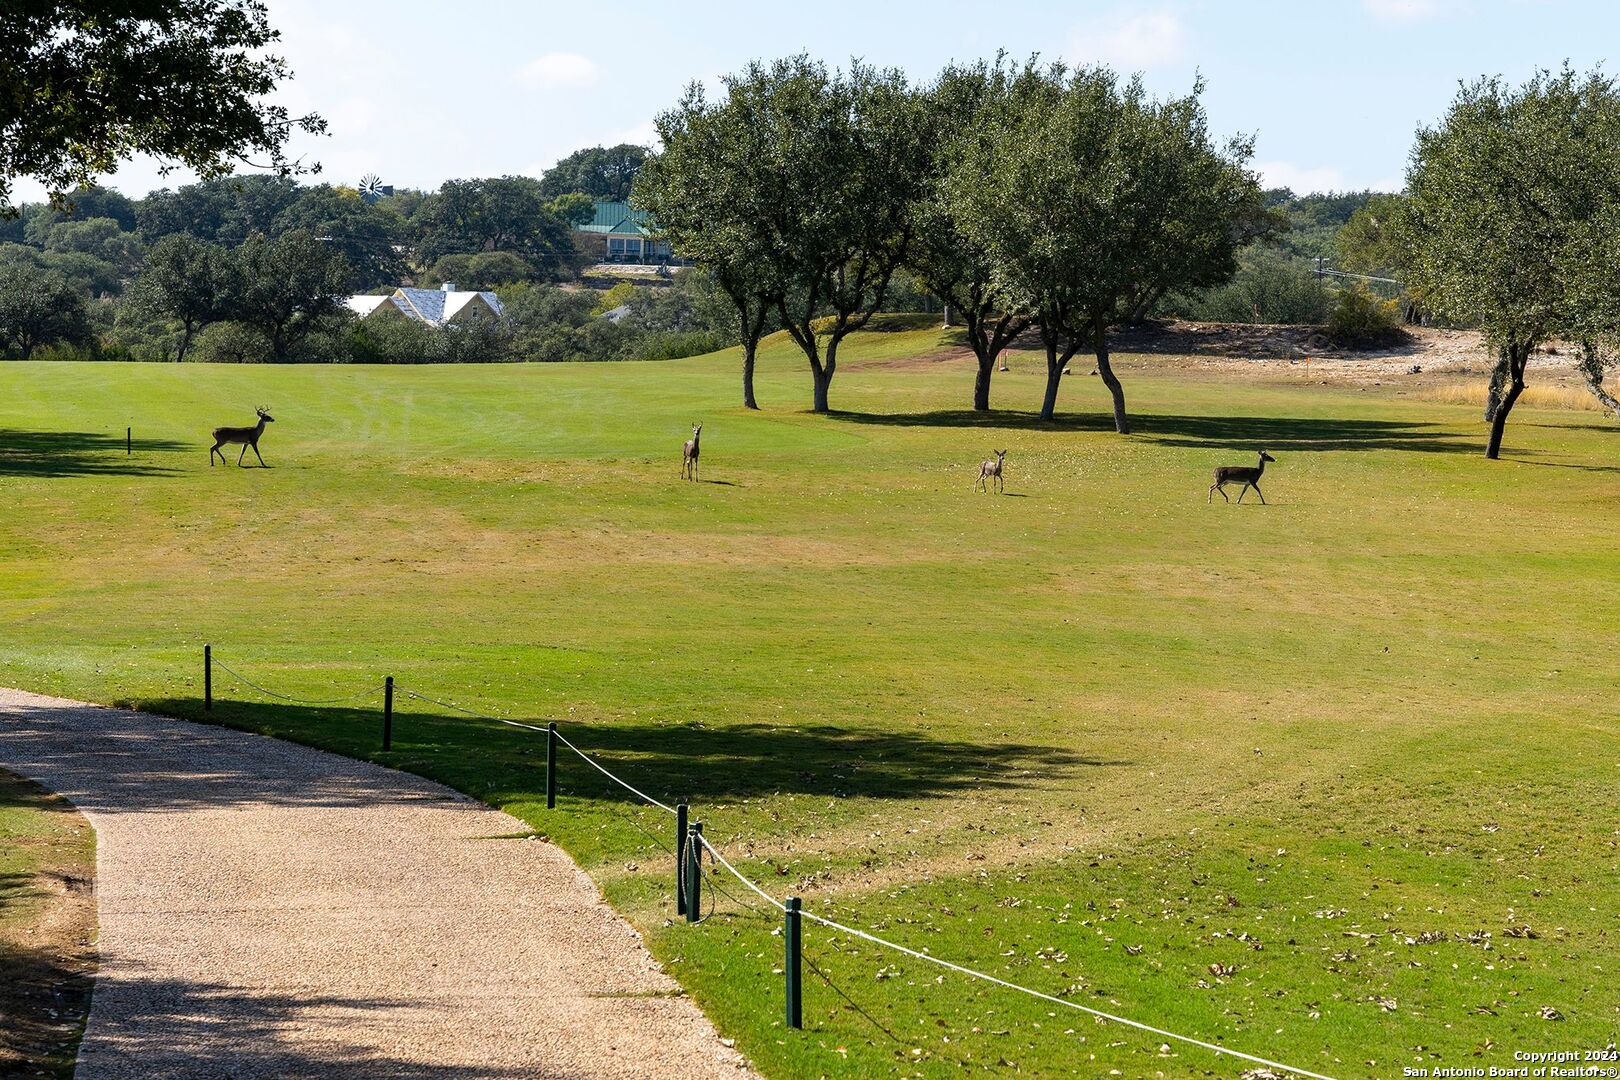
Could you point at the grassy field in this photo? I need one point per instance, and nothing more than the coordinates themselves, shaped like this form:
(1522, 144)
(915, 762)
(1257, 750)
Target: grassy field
(1290, 778)
(47, 918)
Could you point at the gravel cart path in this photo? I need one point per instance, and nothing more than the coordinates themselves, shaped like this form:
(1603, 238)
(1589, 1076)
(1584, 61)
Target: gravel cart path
(269, 910)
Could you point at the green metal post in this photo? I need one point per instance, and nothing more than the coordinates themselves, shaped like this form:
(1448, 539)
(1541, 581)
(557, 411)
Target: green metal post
(694, 872)
(680, 858)
(551, 765)
(208, 678)
(388, 713)
(792, 948)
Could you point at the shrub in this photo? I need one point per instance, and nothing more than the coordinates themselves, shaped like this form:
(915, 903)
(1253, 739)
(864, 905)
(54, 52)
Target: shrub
(230, 343)
(1269, 287)
(389, 340)
(621, 294)
(1360, 320)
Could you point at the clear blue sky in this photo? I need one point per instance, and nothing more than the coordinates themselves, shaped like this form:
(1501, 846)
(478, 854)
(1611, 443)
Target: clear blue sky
(419, 92)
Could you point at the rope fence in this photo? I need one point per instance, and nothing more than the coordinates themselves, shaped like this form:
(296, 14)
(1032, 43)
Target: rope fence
(690, 844)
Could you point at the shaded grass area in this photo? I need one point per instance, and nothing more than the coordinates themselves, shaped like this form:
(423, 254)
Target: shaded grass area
(1095, 738)
(47, 921)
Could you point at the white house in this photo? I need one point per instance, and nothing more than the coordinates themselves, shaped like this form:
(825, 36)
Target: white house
(444, 306)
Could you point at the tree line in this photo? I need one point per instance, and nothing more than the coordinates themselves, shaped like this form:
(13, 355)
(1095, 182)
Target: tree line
(255, 267)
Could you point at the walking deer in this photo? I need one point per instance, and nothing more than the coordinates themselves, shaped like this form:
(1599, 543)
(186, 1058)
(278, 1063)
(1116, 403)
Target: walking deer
(689, 454)
(992, 470)
(247, 436)
(1248, 477)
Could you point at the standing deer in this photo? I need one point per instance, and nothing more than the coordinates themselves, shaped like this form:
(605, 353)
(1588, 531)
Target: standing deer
(247, 436)
(689, 454)
(992, 469)
(1232, 474)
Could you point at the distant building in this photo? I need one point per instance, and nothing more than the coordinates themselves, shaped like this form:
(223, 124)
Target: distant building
(618, 233)
(444, 306)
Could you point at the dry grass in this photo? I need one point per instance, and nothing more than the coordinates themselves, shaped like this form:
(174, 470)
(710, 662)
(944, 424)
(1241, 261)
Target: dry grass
(1472, 393)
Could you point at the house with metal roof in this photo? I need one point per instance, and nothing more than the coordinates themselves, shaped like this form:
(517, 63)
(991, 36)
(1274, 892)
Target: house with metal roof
(619, 233)
(444, 306)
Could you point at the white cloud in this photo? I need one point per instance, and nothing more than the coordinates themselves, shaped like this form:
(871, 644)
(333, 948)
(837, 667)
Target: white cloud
(1132, 41)
(1321, 178)
(1404, 11)
(559, 69)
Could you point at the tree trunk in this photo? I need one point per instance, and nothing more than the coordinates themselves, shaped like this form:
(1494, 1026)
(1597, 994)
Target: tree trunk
(1054, 377)
(823, 373)
(185, 343)
(950, 319)
(749, 348)
(1493, 449)
(1516, 359)
(823, 380)
(1499, 379)
(981, 383)
(1122, 422)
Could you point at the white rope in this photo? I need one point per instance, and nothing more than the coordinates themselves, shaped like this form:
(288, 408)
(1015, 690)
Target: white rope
(469, 712)
(244, 680)
(1060, 1001)
(721, 859)
(592, 763)
(544, 731)
(768, 898)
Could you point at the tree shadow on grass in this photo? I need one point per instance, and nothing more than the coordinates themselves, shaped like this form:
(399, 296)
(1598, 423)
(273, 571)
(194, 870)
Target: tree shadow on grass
(1293, 434)
(181, 1028)
(80, 453)
(46, 968)
(671, 762)
(44, 998)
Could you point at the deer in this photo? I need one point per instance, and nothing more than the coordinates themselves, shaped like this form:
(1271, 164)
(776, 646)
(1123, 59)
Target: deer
(992, 470)
(1233, 474)
(247, 436)
(689, 454)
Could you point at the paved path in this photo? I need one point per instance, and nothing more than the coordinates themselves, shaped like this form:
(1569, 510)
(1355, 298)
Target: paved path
(268, 910)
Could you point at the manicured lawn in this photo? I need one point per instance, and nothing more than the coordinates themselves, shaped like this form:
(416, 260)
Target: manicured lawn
(1095, 736)
(47, 920)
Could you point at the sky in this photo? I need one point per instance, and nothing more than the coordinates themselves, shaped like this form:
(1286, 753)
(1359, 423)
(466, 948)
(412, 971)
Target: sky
(420, 92)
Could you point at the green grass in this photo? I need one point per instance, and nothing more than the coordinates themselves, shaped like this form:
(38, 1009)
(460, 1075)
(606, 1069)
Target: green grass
(1095, 736)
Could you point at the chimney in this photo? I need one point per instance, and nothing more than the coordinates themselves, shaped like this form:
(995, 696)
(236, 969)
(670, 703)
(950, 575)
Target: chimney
(448, 286)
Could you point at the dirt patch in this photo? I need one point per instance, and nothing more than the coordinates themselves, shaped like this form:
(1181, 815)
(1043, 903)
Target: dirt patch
(1432, 349)
(47, 929)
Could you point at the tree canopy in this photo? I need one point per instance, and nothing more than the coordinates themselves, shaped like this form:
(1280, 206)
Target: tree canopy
(84, 84)
(1505, 224)
(1094, 201)
(602, 172)
(964, 109)
(39, 307)
(691, 193)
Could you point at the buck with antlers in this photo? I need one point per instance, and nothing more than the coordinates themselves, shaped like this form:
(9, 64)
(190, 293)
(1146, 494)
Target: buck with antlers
(247, 436)
(689, 454)
(1240, 474)
(989, 470)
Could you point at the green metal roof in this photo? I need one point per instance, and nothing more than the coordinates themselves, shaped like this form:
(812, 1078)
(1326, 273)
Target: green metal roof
(617, 217)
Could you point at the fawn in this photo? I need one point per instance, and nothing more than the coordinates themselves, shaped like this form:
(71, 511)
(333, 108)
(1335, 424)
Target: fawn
(1248, 477)
(992, 469)
(247, 436)
(689, 454)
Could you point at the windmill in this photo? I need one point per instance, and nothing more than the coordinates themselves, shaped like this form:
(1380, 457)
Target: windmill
(372, 188)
